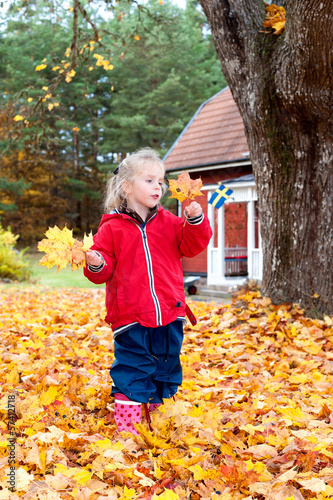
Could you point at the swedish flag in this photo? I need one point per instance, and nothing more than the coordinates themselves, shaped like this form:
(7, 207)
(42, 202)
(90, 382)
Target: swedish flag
(219, 196)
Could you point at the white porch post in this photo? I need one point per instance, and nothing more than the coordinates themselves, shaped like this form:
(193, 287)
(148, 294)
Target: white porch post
(250, 235)
(211, 242)
(220, 251)
(260, 251)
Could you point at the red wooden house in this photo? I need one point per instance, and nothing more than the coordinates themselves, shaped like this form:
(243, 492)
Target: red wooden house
(213, 146)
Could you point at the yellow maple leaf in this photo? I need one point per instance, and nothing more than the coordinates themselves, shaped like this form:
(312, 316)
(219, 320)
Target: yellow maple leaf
(82, 477)
(151, 440)
(13, 377)
(49, 396)
(128, 493)
(299, 379)
(166, 495)
(87, 241)
(294, 414)
(185, 187)
(260, 469)
(198, 472)
(58, 248)
(103, 444)
(40, 67)
(18, 118)
(62, 249)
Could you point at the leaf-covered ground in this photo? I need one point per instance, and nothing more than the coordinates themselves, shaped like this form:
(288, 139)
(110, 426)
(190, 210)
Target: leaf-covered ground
(253, 418)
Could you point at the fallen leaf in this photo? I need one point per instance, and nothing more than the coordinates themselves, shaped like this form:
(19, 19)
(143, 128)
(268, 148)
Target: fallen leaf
(315, 485)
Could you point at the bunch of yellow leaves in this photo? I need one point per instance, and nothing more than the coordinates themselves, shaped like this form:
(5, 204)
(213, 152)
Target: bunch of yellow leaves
(184, 187)
(275, 18)
(62, 249)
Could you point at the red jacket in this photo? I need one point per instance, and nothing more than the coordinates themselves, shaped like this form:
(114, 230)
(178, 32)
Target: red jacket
(143, 271)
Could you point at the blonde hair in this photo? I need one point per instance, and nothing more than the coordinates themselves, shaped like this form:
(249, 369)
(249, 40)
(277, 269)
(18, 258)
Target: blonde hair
(128, 170)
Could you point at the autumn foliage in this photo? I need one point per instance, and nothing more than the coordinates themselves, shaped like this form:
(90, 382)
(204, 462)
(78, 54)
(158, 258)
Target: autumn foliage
(253, 418)
(275, 18)
(185, 188)
(61, 248)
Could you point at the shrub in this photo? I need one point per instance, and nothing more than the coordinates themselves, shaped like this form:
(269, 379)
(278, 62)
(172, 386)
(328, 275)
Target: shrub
(13, 265)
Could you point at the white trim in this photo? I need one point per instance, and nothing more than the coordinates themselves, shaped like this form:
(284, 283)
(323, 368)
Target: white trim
(209, 167)
(194, 223)
(230, 185)
(180, 318)
(119, 401)
(225, 281)
(125, 327)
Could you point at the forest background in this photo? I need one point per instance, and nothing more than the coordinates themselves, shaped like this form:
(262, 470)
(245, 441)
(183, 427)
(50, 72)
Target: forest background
(136, 84)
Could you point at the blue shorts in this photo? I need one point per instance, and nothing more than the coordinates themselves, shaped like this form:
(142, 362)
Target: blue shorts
(147, 366)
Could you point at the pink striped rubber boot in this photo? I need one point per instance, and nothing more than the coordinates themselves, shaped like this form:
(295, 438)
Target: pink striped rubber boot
(126, 412)
(153, 406)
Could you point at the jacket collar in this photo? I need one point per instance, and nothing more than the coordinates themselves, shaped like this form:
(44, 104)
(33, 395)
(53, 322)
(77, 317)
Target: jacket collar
(126, 210)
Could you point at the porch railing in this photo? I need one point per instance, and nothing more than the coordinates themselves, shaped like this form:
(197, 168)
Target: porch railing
(235, 260)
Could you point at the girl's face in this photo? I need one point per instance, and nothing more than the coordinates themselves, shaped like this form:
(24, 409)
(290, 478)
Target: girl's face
(146, 190)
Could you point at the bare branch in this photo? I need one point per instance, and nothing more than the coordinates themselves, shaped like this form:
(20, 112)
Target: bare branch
(87, 18)
(74, 39)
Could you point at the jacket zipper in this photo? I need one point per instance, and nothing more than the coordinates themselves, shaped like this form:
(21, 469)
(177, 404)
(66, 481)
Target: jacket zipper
(150, 271)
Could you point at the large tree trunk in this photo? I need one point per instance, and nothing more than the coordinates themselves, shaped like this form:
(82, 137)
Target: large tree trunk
(283, 87)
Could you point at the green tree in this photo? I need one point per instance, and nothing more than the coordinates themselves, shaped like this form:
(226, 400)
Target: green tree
(159, 79)
(86, 90)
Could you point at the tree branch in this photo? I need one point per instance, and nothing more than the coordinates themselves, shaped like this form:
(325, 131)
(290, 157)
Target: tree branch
(74, 39)
(87, 18)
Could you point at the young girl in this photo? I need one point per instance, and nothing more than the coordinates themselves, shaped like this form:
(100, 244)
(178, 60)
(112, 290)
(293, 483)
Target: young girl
(137, 252)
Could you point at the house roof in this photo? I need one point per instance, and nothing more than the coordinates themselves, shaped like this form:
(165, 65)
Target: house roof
(214, 135)
(243, 178)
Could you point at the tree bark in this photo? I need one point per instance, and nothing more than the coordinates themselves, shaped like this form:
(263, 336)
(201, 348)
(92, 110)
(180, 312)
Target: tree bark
(283, 86)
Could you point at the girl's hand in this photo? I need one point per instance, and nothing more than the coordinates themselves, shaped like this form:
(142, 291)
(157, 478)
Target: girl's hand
(93, 259)
(193, 210)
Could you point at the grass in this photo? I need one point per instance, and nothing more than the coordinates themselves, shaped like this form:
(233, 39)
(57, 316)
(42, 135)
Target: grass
(49, 278)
